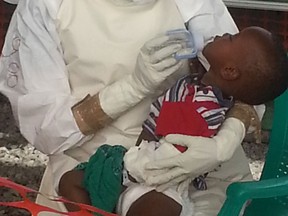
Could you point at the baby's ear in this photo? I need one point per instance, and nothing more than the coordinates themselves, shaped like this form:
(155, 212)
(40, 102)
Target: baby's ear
(230, 73)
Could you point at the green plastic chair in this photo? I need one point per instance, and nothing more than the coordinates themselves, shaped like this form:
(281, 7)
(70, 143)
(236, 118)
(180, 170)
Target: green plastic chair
(269, 195)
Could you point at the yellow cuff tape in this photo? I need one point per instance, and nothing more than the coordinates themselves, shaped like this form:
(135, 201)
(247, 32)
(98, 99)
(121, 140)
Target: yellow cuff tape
(89, 115)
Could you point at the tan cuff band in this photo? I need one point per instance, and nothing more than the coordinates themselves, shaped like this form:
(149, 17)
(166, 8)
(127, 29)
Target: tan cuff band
(248, 115)
(89, 115)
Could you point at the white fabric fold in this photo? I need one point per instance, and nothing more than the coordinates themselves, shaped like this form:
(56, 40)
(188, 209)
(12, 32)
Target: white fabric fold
(33, 76)
(11, 1)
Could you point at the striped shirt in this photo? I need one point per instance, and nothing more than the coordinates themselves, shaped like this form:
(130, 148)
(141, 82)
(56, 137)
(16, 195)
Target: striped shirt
(207, 101)
(188, 109)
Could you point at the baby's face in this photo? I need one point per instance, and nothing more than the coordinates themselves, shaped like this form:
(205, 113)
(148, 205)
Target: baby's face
(232, 50)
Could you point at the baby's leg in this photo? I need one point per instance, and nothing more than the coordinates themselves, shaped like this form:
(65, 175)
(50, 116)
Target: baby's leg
(70, 187)
(154, 203)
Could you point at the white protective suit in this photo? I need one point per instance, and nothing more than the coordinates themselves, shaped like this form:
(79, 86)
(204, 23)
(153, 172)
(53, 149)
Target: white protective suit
(58, 51)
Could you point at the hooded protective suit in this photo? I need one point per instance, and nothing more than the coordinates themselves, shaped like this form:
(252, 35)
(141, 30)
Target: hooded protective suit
(58, 51)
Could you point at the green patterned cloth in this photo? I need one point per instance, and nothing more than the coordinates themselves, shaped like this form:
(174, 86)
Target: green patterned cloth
(103, 176)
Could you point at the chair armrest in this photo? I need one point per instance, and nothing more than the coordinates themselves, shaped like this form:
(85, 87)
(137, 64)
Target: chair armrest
(239, 192)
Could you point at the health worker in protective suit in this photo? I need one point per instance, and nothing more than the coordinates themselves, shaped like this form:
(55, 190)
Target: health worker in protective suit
(80, 74)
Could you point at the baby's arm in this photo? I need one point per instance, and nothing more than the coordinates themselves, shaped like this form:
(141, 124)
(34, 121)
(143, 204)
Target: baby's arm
(145, 135)
(70, 187)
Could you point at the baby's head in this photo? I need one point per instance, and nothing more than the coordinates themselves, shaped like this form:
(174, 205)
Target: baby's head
(251, 66)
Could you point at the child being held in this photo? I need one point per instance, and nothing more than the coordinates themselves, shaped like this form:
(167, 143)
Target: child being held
(250, 67)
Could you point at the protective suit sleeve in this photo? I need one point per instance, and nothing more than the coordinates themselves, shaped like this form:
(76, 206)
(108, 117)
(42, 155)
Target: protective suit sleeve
(34, 78)
(208, 18)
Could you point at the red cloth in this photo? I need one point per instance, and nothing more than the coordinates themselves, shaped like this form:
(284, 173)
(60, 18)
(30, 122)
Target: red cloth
(183, 118)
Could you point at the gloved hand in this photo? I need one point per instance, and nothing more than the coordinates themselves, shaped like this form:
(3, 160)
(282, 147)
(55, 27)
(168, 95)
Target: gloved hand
(203, 155)
(155, 63)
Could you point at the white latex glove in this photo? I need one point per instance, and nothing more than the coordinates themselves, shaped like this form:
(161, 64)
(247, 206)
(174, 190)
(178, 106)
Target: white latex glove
(155, 63)
(203, 155)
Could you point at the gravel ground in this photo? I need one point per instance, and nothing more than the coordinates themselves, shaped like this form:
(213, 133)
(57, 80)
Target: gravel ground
(21, 163)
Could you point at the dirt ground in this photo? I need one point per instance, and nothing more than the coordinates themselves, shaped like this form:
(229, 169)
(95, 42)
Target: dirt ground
(18, 161)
